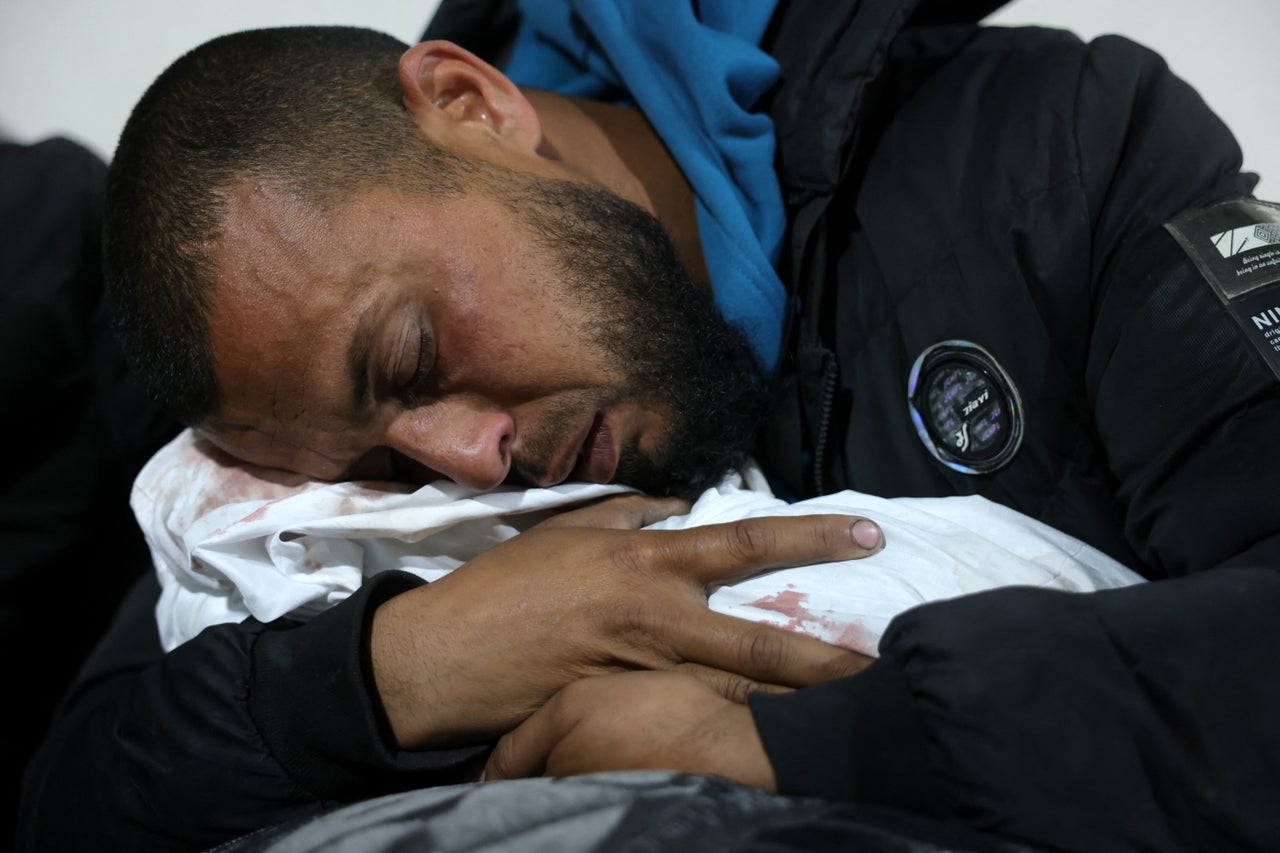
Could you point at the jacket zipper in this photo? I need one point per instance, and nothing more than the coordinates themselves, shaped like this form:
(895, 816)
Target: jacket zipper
(829, 372)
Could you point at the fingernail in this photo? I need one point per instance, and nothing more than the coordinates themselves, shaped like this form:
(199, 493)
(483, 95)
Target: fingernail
(866, 533)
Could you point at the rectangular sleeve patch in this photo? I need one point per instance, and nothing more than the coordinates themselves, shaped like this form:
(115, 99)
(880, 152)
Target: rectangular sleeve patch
(1236, 247)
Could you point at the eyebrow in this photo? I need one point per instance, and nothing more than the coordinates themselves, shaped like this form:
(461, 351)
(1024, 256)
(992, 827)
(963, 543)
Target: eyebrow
(359, 351)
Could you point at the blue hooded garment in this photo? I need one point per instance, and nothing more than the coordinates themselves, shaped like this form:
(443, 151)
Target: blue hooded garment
(695, 69)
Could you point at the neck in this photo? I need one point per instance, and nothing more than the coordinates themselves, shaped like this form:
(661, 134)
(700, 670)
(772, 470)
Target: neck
(617, 148)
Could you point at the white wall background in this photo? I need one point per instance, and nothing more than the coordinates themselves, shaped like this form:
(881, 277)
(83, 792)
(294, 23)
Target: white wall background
(76, 67)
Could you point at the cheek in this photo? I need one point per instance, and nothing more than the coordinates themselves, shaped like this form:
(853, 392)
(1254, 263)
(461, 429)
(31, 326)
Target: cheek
(522, 335)
(254, 448)
(502, 340)
(286, 450)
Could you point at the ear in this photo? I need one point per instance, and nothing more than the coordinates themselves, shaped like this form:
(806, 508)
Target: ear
(449, 89)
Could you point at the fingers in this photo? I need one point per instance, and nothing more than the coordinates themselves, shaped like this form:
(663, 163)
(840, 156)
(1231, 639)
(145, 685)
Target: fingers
(628, 720)
(635, 721)
(763, 653)
(736, 688)
(522, 752)
(621, 512)
(723, 553)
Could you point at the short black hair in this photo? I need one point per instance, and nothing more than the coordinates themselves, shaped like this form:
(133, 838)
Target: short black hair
(314, 111)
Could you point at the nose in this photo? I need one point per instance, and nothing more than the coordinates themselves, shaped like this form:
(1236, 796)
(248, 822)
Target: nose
(465, 442)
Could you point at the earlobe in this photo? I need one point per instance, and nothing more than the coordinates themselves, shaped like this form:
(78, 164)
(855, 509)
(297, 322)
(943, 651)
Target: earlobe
(448, 89)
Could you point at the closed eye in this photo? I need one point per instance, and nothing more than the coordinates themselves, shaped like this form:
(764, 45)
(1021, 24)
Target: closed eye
(418, 384)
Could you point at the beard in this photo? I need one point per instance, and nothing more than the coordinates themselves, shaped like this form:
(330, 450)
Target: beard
(678, 355)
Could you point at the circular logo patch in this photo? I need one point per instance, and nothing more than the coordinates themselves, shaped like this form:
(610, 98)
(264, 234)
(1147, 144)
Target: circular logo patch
(965, 407)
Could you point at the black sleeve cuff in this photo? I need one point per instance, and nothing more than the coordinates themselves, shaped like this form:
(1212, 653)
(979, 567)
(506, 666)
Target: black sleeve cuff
(317, 710)
(858, 738)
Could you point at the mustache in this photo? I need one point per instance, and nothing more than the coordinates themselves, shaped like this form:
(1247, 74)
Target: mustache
(525, 474)
(539, 447)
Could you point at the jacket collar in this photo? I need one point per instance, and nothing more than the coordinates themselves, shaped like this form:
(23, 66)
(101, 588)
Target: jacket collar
(831, 56)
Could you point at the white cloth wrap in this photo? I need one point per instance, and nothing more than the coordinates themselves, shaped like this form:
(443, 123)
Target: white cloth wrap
(230, 540)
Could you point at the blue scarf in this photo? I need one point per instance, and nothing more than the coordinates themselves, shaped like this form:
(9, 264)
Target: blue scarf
(695, 70)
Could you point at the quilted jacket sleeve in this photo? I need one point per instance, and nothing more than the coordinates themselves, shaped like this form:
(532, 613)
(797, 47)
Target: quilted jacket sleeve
(243, 727)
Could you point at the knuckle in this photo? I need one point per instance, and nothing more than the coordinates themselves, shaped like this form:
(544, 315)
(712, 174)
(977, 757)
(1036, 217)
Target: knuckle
(637, 637)
(626, 618)
(733, 687)
(633, 555)
(764, 652)
(750, 539)
(828, 537)
(738, 688)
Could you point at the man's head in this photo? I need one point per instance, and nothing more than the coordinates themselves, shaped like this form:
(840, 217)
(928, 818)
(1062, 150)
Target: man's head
(338, 256)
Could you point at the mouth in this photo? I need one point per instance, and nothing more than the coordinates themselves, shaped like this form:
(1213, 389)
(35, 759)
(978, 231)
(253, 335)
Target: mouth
(597, 458)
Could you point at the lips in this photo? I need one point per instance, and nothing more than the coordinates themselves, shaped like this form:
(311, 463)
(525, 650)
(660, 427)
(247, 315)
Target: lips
(598, 457)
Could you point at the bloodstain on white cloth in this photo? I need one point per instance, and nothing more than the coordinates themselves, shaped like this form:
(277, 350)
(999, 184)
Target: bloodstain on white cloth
(825, 626)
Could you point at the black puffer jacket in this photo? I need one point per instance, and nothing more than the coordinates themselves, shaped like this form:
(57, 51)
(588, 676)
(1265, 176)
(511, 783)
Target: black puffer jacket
(1009, 189)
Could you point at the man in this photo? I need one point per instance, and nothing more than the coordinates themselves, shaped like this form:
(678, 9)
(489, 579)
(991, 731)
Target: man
(974, 223)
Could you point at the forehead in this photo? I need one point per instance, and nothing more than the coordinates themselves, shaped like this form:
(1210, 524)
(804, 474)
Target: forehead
(276, 253)
(298, 275)
(277, 262)
(290, 281)
(270, 241)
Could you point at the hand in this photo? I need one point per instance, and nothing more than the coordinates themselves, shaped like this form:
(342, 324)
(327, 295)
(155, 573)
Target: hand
(470, 656)
(635, 721)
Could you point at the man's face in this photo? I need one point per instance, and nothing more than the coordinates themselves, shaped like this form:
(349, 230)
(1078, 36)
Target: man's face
(540, 334)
